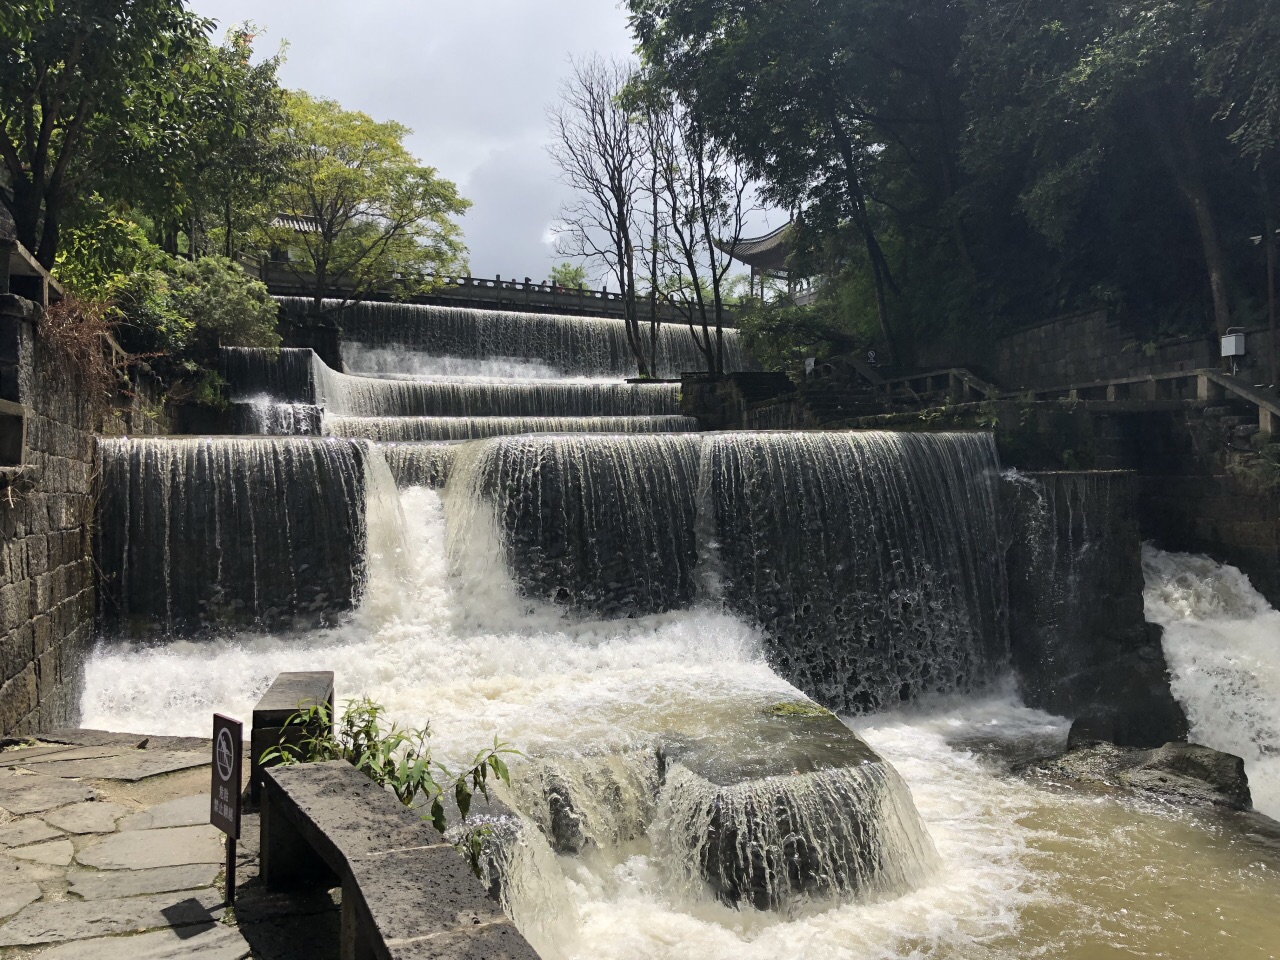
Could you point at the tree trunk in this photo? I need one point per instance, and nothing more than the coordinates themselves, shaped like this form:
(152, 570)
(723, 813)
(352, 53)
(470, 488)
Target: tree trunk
(1183, 160)
(1269, 245)
(25, 210)
(874, 254)
(50, 232)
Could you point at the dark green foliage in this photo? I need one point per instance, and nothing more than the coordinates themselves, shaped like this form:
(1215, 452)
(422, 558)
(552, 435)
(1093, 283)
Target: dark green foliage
(958, 167)
(71, 74)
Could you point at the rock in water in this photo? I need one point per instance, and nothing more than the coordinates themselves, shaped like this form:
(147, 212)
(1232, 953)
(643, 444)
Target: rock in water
(1181, 772)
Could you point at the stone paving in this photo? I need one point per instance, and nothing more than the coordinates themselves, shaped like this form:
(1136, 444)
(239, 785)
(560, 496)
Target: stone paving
(106, 853)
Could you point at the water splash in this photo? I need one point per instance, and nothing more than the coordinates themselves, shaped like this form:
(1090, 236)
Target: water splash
(1220, 638)
(794, 843)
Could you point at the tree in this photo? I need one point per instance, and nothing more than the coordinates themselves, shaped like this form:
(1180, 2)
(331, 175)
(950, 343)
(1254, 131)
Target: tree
(569, 275)
(599, 149)
(848, 106)
(1076, 87)
(361, 211)
(702, 198)
(209, 159)
(69, 72)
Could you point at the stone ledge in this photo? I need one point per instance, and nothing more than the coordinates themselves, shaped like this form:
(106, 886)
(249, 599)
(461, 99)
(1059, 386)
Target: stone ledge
(406, 893)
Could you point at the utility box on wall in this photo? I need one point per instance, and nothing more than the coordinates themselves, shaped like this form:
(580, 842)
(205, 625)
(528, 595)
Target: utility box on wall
(1233, 344)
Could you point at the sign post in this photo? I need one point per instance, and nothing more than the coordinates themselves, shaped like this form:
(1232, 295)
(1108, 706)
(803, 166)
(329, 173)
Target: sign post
(224, 796)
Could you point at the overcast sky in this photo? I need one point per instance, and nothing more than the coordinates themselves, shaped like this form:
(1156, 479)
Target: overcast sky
(472, 78)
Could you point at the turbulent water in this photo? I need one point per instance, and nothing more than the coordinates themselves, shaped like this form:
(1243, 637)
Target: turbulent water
(1222, 641)
(591, 598)
(1023, 871)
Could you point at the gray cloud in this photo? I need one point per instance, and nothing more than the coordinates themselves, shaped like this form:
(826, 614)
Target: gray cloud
(473, 80)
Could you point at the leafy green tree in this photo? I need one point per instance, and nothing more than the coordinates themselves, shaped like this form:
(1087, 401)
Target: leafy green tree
(203, 163)
(371, 217)
(569, 275)
(69, 72)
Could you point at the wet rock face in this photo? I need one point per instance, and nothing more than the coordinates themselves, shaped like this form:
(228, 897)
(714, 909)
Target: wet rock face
(790, 807)
(1179, 772)
(773, 806)
(1079, 641)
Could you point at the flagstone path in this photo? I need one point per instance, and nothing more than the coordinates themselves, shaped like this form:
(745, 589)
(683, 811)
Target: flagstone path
(106, 853)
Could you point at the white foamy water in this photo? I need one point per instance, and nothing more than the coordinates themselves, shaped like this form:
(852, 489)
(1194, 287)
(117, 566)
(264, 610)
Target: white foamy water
(1222, 641)
(1021, 872)
(403, 362)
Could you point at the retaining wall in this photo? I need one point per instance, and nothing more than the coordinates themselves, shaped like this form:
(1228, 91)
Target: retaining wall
(46, 580)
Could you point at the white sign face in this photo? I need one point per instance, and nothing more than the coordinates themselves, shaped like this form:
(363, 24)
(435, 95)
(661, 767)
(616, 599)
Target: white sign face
(226, 754)
(808, 364)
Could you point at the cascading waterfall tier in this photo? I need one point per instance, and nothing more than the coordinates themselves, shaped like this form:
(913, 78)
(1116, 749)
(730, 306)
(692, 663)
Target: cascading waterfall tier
(870, 560)
(405, 429)
(589, 346)
(602, 525)
(220, 532)
(1080, 645)
(419, 464)
(299, 377)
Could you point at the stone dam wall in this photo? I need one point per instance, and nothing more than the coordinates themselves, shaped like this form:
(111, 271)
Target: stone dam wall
(46, 508)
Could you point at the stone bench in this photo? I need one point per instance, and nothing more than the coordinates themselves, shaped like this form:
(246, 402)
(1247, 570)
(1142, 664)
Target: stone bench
(288, 694)
(406, 893)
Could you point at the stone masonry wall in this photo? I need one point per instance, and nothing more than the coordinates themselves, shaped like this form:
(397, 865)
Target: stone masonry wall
(1088, 347)
(1203, 490)
(46, 581)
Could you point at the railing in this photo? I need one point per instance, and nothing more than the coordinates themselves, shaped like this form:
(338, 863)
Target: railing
(1170, 390)
(491, 292)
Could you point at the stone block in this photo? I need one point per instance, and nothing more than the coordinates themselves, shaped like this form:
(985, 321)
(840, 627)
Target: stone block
(15, 653)
(105, 884)
(42, 634)
(145, 849)
(72, 920)
(22, 794)
(17, 699)
(205, 941)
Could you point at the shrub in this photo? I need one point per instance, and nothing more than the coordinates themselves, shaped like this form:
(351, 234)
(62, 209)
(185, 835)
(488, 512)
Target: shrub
(394, 757)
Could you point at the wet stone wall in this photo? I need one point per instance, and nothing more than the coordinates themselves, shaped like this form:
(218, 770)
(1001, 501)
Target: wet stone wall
(46, 582)
(1079, 641)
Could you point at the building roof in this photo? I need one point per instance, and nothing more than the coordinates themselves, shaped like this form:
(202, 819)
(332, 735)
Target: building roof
(296, 223)
(768, 252)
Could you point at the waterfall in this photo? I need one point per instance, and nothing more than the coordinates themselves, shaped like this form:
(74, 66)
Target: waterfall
(284, 376)
(599, 524)
(781, 843)
(1221, 641)
(871, 561)
(498, 339)
(346, 395)
(216, 532)
(403, 429)
(419, 464)
(264, 416)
